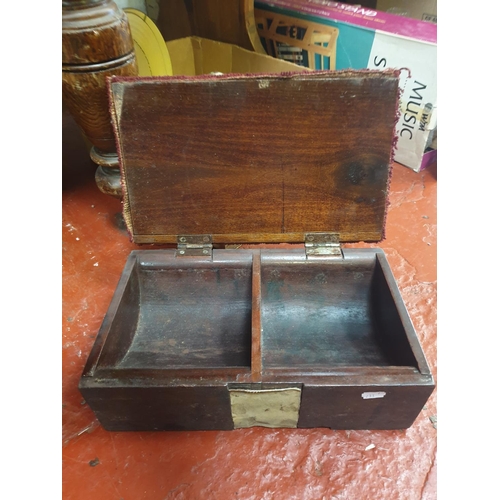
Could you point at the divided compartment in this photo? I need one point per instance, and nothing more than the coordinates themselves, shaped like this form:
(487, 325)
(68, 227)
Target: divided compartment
(320, 315)
(257, 312)
(173, 313)
(183, 333)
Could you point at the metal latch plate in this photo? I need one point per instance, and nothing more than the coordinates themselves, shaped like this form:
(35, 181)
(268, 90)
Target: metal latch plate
(323, 244)
(275, 408)
(197, 245)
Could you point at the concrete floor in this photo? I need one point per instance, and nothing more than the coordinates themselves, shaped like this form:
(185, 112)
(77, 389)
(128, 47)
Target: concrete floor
(258, 463)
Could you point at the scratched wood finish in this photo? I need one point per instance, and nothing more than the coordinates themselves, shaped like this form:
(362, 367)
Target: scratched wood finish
(181, 332)
(256, 158)
(96, 44)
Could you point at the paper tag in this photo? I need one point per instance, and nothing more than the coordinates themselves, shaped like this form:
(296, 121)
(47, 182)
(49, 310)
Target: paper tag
(372, 395)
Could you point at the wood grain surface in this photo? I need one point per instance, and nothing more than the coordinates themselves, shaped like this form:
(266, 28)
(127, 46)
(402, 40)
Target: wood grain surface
(256, 158)
(96, 43)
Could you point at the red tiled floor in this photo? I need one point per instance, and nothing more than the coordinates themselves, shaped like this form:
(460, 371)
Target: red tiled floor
(258, 463)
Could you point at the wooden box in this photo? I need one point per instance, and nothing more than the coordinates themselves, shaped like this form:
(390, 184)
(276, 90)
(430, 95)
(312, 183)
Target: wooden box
(205, 337)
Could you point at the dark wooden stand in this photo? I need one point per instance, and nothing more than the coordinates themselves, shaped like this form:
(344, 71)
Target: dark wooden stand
(96, 43)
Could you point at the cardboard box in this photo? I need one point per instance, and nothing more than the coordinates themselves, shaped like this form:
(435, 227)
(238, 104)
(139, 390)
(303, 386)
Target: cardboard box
(366, 38)
(197, 56)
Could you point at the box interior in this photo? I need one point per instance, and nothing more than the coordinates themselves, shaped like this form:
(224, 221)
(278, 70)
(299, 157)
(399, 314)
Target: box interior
(193, 55)
(189, 317)
(315, 316)
(325, 315)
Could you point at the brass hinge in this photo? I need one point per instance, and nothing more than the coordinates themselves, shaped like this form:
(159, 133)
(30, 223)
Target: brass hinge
(194, 245)
(323, 245)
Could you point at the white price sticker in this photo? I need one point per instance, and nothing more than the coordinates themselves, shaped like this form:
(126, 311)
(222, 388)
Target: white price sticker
(372, 395)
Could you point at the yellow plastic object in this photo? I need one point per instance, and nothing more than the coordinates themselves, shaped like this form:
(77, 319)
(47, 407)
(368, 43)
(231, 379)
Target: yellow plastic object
(150, 49)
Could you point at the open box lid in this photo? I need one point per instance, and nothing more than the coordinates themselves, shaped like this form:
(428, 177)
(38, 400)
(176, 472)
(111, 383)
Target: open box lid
(255, 158)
